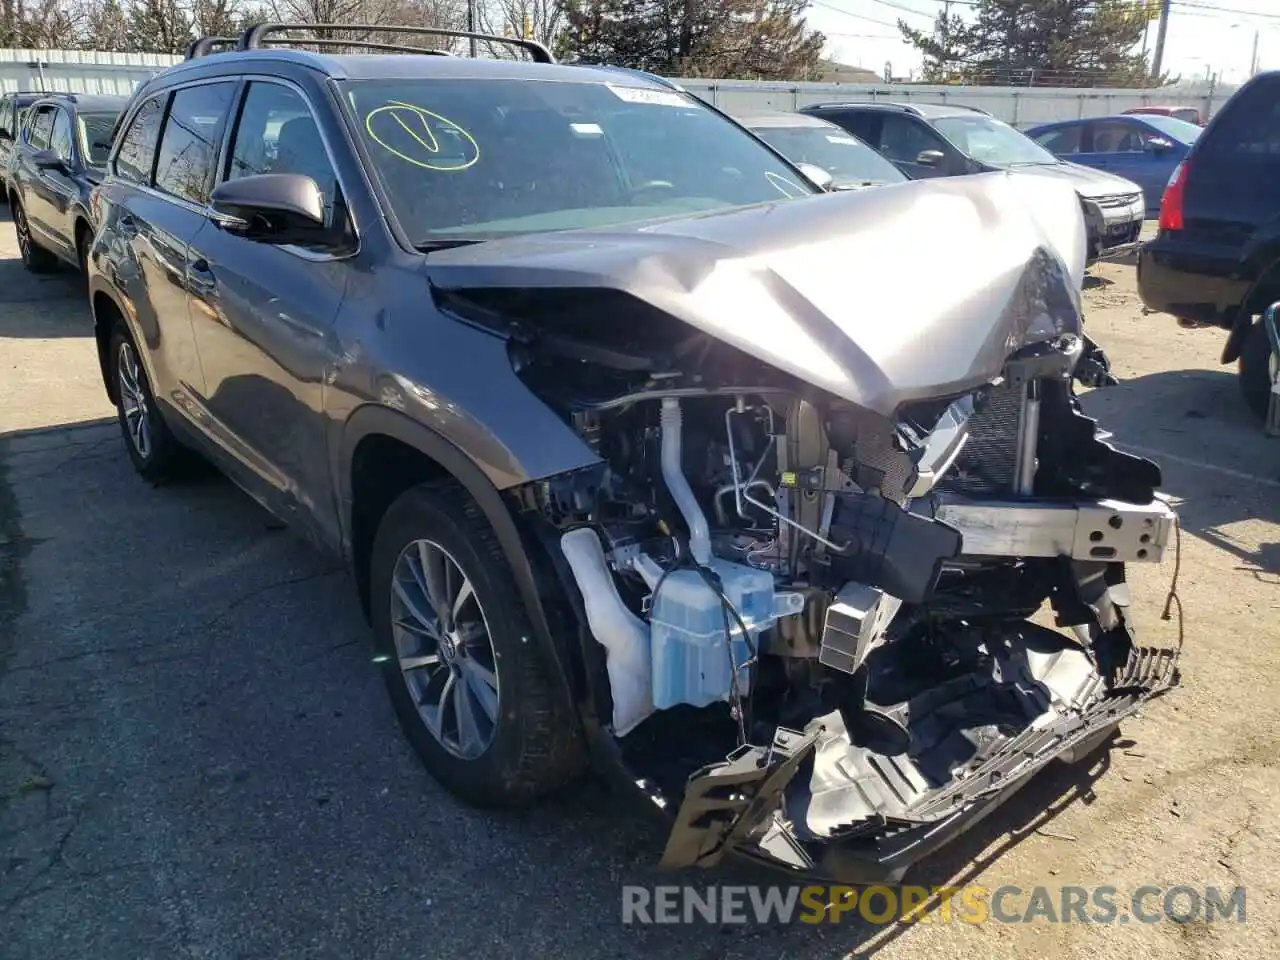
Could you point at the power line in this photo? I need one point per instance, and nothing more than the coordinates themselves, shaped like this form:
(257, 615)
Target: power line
(1213, 8)
(904, 9)
(856, 16)
(862, 36)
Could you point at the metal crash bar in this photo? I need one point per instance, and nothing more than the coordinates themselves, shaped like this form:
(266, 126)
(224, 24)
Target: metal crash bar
(255, 38)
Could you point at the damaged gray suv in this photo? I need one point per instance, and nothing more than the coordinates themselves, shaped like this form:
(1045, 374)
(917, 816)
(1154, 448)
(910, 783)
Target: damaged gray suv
(645, 454)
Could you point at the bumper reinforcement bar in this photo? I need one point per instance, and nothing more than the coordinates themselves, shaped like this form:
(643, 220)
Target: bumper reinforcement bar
(1098, 530)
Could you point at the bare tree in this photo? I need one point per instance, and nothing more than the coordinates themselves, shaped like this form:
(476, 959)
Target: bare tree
(40, 23)
(106, 26)
(540, 20)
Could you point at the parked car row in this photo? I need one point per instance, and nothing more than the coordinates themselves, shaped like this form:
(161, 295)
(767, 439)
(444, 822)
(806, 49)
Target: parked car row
(644, 450)
(940, 140)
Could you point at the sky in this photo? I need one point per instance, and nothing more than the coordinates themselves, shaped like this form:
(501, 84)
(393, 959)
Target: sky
(1203, 34)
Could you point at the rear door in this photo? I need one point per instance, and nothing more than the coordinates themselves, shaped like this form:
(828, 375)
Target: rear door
(264, 315)
(1063, 141)
(153, 206)
(1232, 195)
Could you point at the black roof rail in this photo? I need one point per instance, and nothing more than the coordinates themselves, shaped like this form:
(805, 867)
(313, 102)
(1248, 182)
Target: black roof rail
(212, 42)
(256, 37)
(206, 45)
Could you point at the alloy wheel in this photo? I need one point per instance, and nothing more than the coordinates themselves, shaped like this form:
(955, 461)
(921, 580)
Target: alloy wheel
(444, 649)
(24, 235)
(133, 400)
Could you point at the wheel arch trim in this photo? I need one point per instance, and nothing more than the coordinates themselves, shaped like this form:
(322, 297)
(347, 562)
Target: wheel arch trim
(1252, 303)
(374, 419)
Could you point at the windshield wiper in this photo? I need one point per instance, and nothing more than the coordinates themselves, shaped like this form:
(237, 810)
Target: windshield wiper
(430, 246)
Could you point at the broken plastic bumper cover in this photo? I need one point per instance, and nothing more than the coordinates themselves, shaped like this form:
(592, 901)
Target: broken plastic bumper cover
(739, 805)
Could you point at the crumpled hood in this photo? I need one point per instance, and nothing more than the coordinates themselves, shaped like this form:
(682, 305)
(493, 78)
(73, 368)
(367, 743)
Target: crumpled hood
(1088, 181)
(883, 296)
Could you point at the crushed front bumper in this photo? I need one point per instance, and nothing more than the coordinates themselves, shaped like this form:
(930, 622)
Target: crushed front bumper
(739, 806)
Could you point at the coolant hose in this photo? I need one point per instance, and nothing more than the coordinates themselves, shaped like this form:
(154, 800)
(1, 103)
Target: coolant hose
(678, 485)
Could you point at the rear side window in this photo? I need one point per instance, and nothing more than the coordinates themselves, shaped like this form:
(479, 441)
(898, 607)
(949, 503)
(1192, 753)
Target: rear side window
(865, 126)
(138, 147)
(41, 129)
(6, 116)
(189, 144)
(1062, 140)
(1250, 125)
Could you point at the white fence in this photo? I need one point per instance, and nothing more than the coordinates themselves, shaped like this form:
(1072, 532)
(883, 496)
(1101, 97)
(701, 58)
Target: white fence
(91, 71)
(1020, 106)
(78, 71)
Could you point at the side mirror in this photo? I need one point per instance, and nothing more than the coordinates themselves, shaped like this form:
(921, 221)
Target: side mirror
(930, 158)
(270, 207)
(1159, 145)
(48, 160)
(5, 134)
(819, 177)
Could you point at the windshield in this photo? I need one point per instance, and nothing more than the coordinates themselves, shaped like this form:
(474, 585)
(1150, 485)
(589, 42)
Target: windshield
(988, 140)
(844, 156)
(492, 158)
(1173, 127)
(95, 136)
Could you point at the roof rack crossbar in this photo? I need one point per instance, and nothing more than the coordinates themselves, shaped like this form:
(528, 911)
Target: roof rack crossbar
(254, 38)
(208, 45)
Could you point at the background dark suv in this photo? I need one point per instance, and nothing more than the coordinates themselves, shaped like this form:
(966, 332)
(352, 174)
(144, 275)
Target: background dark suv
(13, 110)
(1216, 258)
(56, 161)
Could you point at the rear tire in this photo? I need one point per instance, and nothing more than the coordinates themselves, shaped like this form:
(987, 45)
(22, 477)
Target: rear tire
(156, 454)
(34, 257)
(82, 253)
(1254, 367)
(521, 741)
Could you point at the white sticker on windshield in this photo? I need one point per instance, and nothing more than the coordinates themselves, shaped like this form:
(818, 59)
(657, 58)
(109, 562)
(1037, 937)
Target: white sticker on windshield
(835, 138)
(660, 98)
(587, 129)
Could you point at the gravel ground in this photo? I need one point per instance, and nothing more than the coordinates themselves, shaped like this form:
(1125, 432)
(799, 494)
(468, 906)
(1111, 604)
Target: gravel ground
(197, 759)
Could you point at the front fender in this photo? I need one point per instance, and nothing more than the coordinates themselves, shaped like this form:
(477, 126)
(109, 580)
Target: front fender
(374, 419)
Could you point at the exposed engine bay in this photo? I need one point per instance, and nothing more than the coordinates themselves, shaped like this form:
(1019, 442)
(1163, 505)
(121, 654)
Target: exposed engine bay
(793, 593)
(803, 564)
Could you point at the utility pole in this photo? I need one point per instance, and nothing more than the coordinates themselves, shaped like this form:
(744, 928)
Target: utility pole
(1253, 58)
(946, 47)
(471, 24)
(1158, 59)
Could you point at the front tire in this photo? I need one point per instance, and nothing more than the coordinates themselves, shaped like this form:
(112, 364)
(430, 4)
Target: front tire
(34, 257)
(1255, 370)
(465, 676)
(154, 451)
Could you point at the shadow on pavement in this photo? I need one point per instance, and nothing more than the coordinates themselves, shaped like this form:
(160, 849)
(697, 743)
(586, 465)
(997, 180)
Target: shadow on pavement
(24, 297)
(1213, 452)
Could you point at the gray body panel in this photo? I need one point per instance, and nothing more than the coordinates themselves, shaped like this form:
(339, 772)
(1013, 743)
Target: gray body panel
(829, 288)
